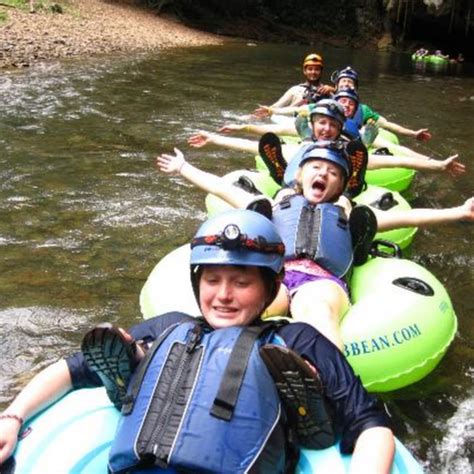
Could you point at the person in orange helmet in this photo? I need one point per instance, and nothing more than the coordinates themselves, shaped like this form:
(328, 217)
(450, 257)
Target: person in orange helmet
(307, 92)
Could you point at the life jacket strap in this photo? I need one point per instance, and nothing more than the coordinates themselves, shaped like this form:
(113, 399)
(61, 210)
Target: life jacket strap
(226, 398)
(309, 225)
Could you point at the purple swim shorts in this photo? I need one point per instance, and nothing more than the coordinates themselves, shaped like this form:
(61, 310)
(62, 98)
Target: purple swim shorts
(294, 279)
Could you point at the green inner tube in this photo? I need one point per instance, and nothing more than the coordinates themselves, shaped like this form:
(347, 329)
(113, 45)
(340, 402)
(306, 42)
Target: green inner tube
(382, 199)
(396, 179)
(433, 59)
(399, 327)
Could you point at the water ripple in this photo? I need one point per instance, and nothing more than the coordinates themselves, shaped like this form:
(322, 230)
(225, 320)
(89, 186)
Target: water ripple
(457, 446)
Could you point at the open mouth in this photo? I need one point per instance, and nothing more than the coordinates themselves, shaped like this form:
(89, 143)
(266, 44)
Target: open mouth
(319, 185)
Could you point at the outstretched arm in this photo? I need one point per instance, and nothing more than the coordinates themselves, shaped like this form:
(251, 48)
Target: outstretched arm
(423, 134)
(425, 217)
(449, 165)
(290, 97)
(177, 165)
(373, 452)
(202, 138)
(276, 128)
(268, 110)
(43, 390)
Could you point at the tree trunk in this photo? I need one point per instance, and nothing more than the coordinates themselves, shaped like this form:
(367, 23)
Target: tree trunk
(468, 18)
(453, 15)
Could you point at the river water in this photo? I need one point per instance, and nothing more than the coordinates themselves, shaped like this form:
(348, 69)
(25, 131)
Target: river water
(85, 215)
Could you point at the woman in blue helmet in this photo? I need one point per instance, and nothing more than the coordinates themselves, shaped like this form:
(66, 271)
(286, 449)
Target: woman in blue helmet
(314, 289)
(348, 98)
(327, 121)
(236, 269)
(369, 121)
(365, 116)
(348, 77)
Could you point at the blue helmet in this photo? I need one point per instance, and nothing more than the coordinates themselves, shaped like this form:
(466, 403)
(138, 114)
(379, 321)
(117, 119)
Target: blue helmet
(346, 72)
(348, 92)
(238, 237)
(329, 108)
(333, 151)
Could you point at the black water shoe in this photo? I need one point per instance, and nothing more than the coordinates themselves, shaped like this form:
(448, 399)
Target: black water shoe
(363, 227)
(269, 148)
(301, 393)
(112, 358)
(359, 158)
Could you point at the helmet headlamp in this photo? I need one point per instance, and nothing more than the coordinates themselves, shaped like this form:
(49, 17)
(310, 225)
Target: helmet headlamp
(231, 236)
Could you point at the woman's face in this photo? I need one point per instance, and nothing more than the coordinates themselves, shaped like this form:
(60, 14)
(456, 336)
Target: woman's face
(345, 82)
(349, 106)
(231, 295)
(321, 181)
(325, 128)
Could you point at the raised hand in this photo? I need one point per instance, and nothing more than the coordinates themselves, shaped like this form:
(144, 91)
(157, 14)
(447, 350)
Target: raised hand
(423, 135)
(199, 139)
(453, 167)
(325, 89)
(171, 164)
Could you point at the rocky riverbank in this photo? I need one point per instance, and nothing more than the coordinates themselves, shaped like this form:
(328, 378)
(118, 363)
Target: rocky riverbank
(88, 27)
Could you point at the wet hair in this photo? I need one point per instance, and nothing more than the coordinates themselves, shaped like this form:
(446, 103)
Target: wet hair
(272, 283)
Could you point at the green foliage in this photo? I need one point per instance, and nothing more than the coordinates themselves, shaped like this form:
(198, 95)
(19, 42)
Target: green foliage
(37, 5)
(3, 17)
(16, 3)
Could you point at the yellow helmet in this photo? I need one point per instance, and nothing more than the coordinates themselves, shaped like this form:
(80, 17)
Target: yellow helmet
(313, 59)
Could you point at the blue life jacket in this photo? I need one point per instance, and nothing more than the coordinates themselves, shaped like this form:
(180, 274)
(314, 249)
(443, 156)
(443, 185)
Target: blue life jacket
(319, 232)
(351, 129)
(201, 405)
(358, 117)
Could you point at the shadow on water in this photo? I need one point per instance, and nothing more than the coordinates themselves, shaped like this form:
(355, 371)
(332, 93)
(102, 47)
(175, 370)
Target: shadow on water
(85, 216)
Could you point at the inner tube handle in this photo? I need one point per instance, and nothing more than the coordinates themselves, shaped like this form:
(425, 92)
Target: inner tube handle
(391, 249)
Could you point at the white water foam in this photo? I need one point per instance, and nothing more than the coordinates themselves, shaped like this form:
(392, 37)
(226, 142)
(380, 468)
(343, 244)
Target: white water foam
(455, 449)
